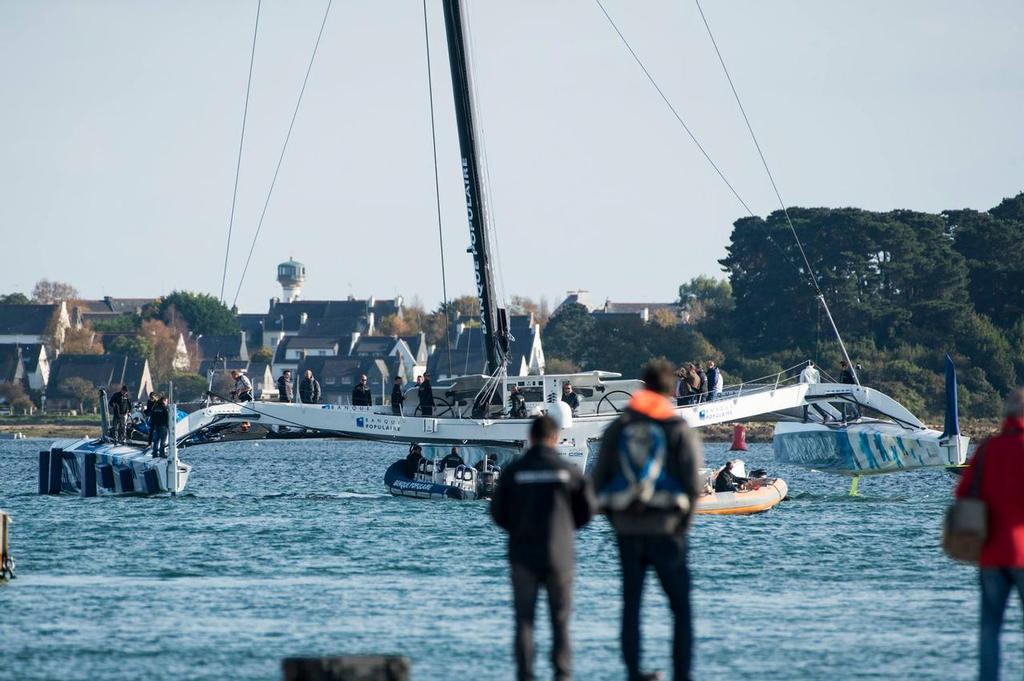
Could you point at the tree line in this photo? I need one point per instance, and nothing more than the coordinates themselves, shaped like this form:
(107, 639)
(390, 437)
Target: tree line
(904, 287)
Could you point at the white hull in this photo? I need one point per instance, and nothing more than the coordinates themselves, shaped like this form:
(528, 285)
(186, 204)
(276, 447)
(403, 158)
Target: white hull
(865, 448)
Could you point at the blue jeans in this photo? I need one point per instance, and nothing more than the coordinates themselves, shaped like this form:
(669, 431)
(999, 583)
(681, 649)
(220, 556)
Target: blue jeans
(667, 555)
(995, 591)
(160, 441)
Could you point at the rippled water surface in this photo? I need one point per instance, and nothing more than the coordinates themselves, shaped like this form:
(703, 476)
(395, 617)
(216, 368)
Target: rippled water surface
(295, 548)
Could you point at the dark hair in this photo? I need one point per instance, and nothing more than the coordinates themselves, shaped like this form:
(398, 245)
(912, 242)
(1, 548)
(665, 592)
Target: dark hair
(543, 428)
(659, 375)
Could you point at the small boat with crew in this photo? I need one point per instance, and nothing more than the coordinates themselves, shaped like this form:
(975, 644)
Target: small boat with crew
(757, 494)
(448, 478)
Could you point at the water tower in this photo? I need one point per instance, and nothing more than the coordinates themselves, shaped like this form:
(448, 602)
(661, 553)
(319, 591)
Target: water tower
(291, 275)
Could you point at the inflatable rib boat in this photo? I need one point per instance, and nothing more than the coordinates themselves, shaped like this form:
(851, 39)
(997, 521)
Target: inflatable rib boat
(758, 494)
(450, 478)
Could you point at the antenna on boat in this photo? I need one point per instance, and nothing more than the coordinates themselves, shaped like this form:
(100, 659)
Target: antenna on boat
(493, 319)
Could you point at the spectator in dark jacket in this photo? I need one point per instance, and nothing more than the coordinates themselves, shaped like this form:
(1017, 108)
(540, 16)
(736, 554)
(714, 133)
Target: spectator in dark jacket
(846, 374)
(517, 403)
(397, 397)
(309, 388)
(651, 516)
(285, 387)
(361, 395)
(541, 500)
(1000, 461)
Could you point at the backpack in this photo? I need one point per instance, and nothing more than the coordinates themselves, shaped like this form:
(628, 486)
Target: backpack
(642, 480)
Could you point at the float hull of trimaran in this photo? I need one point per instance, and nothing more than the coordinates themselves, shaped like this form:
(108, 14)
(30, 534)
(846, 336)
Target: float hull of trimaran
(94, 467)
(867, 448)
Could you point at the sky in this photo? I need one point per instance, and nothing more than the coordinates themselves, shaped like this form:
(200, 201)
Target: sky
(120, 125)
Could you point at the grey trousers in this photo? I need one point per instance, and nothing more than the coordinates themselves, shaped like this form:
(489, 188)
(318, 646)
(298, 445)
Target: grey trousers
(526, 585)
(120, 424)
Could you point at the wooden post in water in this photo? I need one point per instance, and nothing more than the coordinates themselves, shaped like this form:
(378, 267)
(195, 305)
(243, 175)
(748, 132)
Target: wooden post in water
(6, 560)
(346, 668)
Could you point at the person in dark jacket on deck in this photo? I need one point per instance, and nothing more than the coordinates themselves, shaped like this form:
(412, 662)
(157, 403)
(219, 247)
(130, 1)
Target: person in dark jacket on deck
(517, 403)
(397, 397)
(285, 388)
(570, 397)
(159, 425)
(1000, 463)
(361, 395)
(846, 374)
(426, 395)
(541, 500)
(647, 481)
(309, 388)
(120, 407)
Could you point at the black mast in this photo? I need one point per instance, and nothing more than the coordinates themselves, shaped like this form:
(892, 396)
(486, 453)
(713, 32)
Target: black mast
(493, 319)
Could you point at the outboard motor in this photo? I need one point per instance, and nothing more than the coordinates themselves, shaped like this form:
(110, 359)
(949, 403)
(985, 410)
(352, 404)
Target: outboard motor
(488, 481)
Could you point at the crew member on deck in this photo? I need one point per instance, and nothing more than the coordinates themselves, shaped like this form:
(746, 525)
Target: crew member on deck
(243, 387)
(120, 407)
(309, 388)
(726, 481)
(361, 395)
(397, 397)
(426, 394)
(517, 403)
(285, 390)
(570, 398)
(159, 422)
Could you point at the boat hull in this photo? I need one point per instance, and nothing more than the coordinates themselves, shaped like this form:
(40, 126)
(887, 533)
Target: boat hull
(743, 503)
(401, 485)
(868, 448)
(116, 469)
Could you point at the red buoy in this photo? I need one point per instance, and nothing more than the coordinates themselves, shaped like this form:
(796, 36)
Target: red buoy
(739, 438)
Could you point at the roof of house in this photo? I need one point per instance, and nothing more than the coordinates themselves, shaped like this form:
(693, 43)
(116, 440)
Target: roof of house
(103, 371)
(26, 320)
(31, 353)
(386, 308)
(307, 343)
(417, 345)
(467, 354)
(373, 346)
(113, 306)
(222, 365)
(334, 327)
(10, 362)
(228, 346)
(251, 323)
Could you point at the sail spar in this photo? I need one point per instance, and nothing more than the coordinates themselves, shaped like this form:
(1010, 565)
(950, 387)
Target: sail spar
(493, 318)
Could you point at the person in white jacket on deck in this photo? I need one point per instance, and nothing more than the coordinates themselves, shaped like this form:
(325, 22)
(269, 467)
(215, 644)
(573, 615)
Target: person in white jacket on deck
(810, 374)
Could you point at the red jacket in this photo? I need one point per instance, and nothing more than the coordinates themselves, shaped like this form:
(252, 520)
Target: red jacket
(1002, 488)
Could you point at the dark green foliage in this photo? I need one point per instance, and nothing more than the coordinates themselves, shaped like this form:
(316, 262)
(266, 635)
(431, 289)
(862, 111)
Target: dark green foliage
(15, 299)
(119, 324)
(187, 387)
(203, 313)
(619, 343)
(904, 287)
(133, 346)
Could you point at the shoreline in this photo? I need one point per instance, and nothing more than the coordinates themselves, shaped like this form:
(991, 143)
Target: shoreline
(757, 431)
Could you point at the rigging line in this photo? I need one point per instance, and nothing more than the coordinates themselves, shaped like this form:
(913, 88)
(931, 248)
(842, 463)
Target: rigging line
(778, 195)
(673, 109)
(437, 193)
(241, 141)
(757, 145)
(284, 148)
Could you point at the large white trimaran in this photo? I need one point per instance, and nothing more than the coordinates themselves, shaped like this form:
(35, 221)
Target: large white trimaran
(814, 424)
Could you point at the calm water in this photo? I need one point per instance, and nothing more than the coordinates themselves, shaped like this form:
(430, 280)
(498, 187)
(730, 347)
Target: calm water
(295, 549)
